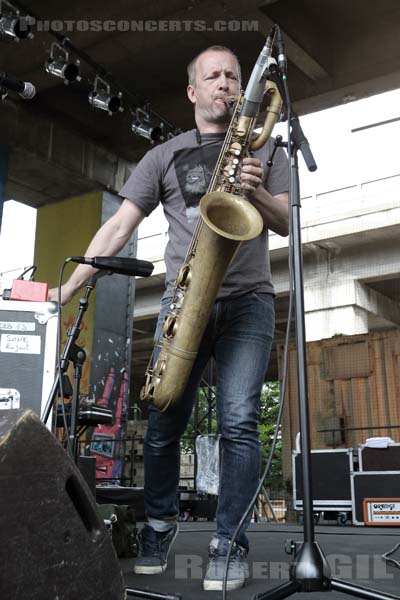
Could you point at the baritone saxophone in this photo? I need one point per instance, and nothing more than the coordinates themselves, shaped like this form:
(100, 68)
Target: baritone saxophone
(226, 220)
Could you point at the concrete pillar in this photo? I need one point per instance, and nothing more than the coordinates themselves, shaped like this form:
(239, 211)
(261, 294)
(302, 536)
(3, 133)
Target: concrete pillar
(344, 308)
(113, 317)
(334, 310)
(65, 229)
(328, 322)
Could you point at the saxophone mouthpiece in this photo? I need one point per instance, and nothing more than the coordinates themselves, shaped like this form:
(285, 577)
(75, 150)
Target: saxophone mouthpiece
(231, 102)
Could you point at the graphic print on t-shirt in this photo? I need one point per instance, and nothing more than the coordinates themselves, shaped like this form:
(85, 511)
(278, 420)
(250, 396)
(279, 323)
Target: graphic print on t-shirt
(193, 175)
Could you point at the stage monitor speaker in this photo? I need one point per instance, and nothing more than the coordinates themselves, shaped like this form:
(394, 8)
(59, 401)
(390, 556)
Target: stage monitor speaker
(53, 541)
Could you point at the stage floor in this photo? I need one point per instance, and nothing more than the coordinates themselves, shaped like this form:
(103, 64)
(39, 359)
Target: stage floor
(354, 554)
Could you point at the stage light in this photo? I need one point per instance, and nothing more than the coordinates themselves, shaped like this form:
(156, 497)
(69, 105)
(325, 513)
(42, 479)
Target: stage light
(58, 64)
(12, 25)
(100, 97)
(141, 125)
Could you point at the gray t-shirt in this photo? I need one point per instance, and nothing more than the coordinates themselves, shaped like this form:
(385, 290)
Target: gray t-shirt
(177, 174)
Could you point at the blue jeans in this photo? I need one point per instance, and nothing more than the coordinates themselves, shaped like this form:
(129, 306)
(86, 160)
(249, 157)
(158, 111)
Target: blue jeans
(239, 335)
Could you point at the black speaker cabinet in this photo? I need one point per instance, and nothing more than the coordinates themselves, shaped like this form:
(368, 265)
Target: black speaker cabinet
(53, 542)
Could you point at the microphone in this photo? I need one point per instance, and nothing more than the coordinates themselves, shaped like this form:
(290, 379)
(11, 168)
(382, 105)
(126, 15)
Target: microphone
(282, 62)
(116, 264)
(24, 88)
(255, 88)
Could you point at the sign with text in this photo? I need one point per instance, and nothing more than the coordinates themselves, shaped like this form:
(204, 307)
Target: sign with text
(18, 343)
(382, 511)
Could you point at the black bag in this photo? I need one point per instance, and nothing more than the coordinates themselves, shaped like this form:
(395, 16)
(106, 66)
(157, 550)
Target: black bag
(121, 520)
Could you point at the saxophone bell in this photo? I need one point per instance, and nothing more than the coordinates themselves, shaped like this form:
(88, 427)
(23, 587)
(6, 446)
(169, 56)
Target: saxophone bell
(230, 216)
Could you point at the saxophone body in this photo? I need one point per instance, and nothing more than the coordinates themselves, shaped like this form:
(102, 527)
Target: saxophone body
(226, 220)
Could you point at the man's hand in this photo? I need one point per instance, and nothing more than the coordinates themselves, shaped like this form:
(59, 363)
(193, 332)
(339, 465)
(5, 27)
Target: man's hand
(66, 294)
(251, 176)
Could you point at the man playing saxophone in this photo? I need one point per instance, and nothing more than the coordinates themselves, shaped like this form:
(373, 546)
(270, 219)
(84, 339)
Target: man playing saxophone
(240, 330)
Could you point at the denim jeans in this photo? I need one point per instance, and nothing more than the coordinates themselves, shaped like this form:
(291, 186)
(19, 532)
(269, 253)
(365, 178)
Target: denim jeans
(239, 335)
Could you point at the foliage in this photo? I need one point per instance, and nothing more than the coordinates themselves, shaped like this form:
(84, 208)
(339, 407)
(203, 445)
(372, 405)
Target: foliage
(269, 409)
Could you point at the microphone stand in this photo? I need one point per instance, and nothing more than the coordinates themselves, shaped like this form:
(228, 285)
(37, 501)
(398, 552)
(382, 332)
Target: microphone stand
(76, 354)
(310, 571)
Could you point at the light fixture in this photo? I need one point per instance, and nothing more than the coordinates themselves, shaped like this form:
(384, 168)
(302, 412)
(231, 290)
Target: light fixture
(142, 126)
(100, 97)
(58, 64)
(12, 25)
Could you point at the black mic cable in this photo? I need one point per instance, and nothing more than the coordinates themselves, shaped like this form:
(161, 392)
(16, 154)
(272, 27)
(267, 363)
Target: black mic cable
(282, 61)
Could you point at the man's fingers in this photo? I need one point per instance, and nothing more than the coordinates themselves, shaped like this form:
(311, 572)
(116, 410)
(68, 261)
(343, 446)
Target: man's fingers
(251, 175)
(253, 170)
(249, 178)
(252, 161)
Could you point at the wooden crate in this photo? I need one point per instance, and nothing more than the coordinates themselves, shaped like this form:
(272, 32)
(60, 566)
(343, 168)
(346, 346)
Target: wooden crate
(279, 508)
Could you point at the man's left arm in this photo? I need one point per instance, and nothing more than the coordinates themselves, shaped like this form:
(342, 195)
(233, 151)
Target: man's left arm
(273, 209)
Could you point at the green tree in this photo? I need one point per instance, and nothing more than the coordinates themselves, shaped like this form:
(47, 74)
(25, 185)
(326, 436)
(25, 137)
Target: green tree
(269, 409)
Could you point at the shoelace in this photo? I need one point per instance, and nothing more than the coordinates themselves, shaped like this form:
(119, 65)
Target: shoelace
(150, 545)
(236, 554)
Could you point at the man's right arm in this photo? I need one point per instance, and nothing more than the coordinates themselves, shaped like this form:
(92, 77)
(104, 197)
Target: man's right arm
(108, 241)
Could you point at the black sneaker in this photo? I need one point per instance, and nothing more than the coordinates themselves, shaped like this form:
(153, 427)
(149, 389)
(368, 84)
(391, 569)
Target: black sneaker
(238, 570)
(154, 550)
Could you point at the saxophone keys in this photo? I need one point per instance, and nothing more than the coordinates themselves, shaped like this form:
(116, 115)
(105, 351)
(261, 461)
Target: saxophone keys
(170, 326)
(229, 170)
(235, 148)
(144, 394)
(159, 367)
(184, 276)
(147, 391)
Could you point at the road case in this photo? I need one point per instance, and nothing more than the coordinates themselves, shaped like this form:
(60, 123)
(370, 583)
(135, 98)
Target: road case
(379, 459)
(28, 339)
(331, 472)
